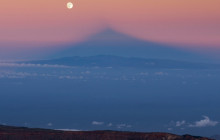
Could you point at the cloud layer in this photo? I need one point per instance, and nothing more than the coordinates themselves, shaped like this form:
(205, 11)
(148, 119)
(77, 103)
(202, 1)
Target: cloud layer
(97, 123)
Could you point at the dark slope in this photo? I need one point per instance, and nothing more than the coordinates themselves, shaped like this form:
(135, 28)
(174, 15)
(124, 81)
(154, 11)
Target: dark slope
(16, 133)
(110, 42)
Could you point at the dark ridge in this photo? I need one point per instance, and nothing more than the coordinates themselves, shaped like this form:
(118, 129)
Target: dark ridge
(23, 133)
(118, 61)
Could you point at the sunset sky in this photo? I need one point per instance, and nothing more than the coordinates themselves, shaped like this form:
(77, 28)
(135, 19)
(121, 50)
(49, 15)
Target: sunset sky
(127, 65)
(47, 22)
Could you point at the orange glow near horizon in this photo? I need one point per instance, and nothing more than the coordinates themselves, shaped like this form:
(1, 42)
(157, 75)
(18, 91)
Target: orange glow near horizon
(190, 22)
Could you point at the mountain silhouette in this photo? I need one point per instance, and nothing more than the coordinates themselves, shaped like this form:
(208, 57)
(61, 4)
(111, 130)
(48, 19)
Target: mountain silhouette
(109, 42)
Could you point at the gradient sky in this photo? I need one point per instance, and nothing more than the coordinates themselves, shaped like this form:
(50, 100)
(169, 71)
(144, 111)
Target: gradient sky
(42, 22)
(155, 99)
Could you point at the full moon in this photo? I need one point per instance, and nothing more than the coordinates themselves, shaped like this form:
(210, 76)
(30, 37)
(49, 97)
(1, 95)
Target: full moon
(69, 5)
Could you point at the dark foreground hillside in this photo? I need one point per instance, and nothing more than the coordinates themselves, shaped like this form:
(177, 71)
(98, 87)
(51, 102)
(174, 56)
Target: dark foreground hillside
(20, 133)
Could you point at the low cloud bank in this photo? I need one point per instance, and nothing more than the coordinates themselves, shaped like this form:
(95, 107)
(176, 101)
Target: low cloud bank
(204, 122)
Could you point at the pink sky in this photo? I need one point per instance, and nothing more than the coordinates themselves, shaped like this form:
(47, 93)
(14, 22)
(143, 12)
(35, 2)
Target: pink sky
(42, 22)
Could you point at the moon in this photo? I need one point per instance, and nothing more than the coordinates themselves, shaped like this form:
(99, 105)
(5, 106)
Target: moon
(69, 5)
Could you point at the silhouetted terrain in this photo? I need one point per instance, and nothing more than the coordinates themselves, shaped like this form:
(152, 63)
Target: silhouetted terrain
(118, 61)
(21, 133)
(110, 42)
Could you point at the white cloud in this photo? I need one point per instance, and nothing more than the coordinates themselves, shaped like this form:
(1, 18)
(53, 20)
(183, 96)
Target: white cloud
(69, 129)
(180, 123)
(97, 123)
(120, 126)
(144, 73)
(161, 73)
(11, 74)
(49, 124)
(32, 65)
(110, 124)
(170, 129)
(86, 72)
(204, 123)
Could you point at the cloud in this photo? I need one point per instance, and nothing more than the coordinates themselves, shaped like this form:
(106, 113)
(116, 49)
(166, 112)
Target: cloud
(144, 73)
(180, 123)
(161, 73)
(69, 129)
(86, 72)
(12, 74)
(204, 123)
(72, 77)
(97, 123)
(110, 124)
(50, 124)
(32, 65)
(120, 126)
